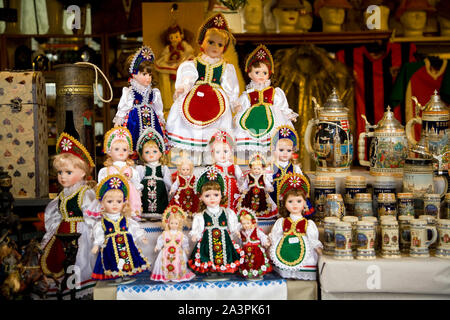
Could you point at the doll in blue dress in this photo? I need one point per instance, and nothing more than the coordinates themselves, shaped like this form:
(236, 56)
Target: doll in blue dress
(115, 234)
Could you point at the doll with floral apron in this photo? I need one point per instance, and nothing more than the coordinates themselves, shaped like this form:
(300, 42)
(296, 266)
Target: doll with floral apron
(295, 244)
(140, 106)
(68, 212)
(172, 244)
(153, 175)
(115, 235)
(263, 107)
(205, 81)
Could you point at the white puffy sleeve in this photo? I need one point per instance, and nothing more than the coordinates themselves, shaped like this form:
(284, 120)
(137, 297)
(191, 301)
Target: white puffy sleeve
(52, 218)
(245, 183)
(198, 225)
(185, 243)
(175, 186)
(245, 104)
(135, 230)
(281, 103)
(160, 242)
(90, 207)
(239, 176)
(268, 186)
(186, 76)
(277, 231)
(98, 233)
(125, 105)
(262, 236)
(158, 105)
(313, 235)
(297, 169)
(102, 174)
(167, 177)
(230, 85)
(233, 223)
(136, 179)
(140, 169)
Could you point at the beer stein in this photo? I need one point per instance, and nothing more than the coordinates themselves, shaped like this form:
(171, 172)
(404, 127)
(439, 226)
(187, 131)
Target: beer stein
(387, 205)
(363, 205)
(365, 231)
(443, 246)
(343, 241)
(328, 230)
(419, 238)
(389, 239)
(334, 207)
(405, 204)
(404, 232)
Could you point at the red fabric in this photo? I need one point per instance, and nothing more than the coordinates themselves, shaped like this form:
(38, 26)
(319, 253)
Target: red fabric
(185, 196)
(231, 185)
(267, 96)
(56, 256)
(254, 258)
(300, 225)
(204, 108)
(255, 198)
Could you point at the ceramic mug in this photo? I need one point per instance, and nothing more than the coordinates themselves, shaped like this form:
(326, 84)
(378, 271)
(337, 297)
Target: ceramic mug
(447, 201)
(443, 246)
(365, 240)
(334, 206)
(374, 220)
(432, 204)
(405, 204)
(328, 229)
(387, 205)
(389, 239)
(404, 232)
(419, 238)
(363, 205)
(431, 221)
(353, 221)
(343, 240)
(382, 185)
(353, 186)
(324, 185)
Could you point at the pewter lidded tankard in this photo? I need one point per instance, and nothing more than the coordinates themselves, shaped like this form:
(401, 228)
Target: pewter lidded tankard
(333, 141)
(388, 149)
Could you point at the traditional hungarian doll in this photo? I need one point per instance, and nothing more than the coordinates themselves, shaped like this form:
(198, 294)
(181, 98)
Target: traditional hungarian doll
(67, 213)
(263, 107)
(140, 105)
(154, 176)
(172, 244)
(256, 190)
(205, 81)
(182, 190)
(221, 145)
(214, 250)
(283, 145)
(254, 241)
(115, 235)
(295, 244)
(118, 146)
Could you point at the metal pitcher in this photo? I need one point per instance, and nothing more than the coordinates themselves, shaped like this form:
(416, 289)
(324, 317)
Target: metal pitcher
(388, 149)
(333, 141)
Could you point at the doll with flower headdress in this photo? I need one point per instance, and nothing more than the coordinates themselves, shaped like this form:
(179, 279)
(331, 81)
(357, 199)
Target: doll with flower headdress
(118, 145)
(221, 145)
(254, 242)
(208, 80)
(213, 227)
(153, 175)
(115, 236)
(172, 244)
(263, 107)
(69, 212)
(257, 187)
(140, 105)
(295, 244)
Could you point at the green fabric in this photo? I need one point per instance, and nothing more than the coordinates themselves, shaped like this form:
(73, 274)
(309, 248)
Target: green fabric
(72, 206)
(258, 122)
(290, 252)
(217, 73)
(401, 83)
(161, 191)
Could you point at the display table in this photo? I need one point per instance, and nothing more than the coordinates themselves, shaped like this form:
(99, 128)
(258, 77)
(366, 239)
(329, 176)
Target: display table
(404, 278)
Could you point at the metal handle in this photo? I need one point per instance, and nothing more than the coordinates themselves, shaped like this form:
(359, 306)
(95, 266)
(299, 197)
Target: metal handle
(410, 132)
(362, 148)
(307, 138)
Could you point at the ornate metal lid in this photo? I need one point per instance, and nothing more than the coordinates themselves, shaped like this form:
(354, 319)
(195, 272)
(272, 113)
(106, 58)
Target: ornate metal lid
(435, 104)
(389, 122)
(421, 148)
(334, 104)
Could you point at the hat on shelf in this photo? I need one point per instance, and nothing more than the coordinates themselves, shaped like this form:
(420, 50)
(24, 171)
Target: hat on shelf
(319, 4)
(68, 144)
(413, 5)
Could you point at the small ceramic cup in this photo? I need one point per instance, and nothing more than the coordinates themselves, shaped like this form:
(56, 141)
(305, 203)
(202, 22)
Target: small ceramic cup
(405, 204)
(323, 186)
(404, 232)
(431, 221)
(363, 205)
(389, 239)
(353, 221)
(443, 246)
(432, 204)
(328, 229)
(343, 241)
(419, 238)
(365, 240)
(334, 206)
(387, 205)
(353, 186)
(377, 227)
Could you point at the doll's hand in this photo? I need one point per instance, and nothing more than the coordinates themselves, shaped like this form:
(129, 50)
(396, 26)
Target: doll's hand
(195, 239)
(237, 234)
(144, 241)
(267, 243)
(293, 118)
(94, 250)
(237, 108)
(319, 251)
(178, 93)
(156, 249)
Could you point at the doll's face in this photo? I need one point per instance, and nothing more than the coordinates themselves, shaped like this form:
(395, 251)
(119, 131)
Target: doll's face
(332, 15)
(174, 224)
(259, 74)
(113, 201)
(283, 150)
(186, 169)
(175, 38)
(151, 153)
(295, 204)
(119, 151)
(288, 17)
(213, 45)
(68, 174)
(247, 223)
(414, 20)
(211, 198)
(256, 169)
(143, 78)
(221, 152)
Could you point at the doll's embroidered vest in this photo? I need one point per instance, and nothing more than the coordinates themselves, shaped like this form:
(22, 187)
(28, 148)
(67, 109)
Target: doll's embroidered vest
(205, 93)
(291, 249)
(255, 198)
(154, 194)
(258, 119)
(70, 209)
(253, 239)
(278, 174)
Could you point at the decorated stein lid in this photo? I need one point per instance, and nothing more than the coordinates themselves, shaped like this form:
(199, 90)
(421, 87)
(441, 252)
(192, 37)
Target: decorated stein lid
(389, 122)
(334, 104)
(435, 104)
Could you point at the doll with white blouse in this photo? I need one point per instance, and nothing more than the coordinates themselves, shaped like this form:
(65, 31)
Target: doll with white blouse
(140, 105)
(172, 244)
(118, 146)
(254, 244)
(215, 252)
(115, 235)
(68, 212)
(256, 189)
(154, 175)
(182, 192)
(210, 81)
(263, 108)
(295, 244)
(221, 145)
